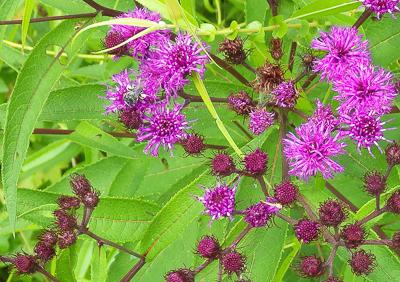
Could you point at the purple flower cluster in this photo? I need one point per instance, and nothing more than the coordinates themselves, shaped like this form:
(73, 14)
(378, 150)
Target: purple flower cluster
(364, 92)
(146, 99)
(380, 7)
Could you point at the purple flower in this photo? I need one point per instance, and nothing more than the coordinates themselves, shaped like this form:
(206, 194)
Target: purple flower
(260, 120)
(345, 49)
(366, 88)
(365, 128)
(162, 126)
(140, 47)
(258, 215)
(219, 201)
(324, 115)
(127, 94)
(169, 65)
(311, 152)
(285, 95)
(380, 7)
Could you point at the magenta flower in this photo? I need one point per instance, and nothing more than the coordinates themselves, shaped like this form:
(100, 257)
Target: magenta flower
(219, 201)
(258, 215)
(312, 150)
(345, 49)
(365, 128)
(324, 115)
(140, 47)
(285, 95)
(117, 95)
(260, 120)
(380, 7)
(169, 66)
(366, 88)
(162, 127)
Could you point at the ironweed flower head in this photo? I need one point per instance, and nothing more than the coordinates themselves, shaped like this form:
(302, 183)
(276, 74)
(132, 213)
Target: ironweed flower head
(180, 275)
(286, 193)
(66, 238)
(311, 266)
(324, 115)
(393, 203)
(233, 51)
(44, 251)
(365, 88)
(331, 213)
(374, 183)
(259, 214)
(64, 220)
(345, 50)
(90, 199)
(306, 230)
(162, 126)
(169, 66)
(285, 95)
(193, 144)
(208, 247)
(140, 47)
(48, 237)
(260, 120)
(80, 185)
(393, 154)
(219, 201)
(353, 235)
(362, 263)
(131, 118)
(255, 163)
(381, 7)
(233, 262)
(25, 264)
(67, 202)
(269, 76)
(113, 39)
(222, 164)
(241, 103)
(312, 150)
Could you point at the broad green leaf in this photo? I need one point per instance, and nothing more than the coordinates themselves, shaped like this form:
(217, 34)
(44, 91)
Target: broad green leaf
(384, 38)
(66, 261)
(69, 7)
(37, 77)
(29, 4)
(116, 219)
(11, 57)
(287, 262)
(256, 10)
(321, 8)
(99, 264)
(7, 10)
(89, 135)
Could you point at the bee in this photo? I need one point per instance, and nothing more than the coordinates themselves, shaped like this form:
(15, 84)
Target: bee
(133, 95)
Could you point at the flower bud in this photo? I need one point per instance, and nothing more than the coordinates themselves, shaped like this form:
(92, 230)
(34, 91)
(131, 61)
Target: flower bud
(64, 220)
(269, 76)
(311, 266)
(48, 237)
(25, 264)
(258, 215)
(222, 164)
(66, 238)
(241, 103)
(131, 118)
(180, 275)
(44, 252)
(113, 39)
(286, 193)
(256, 163)
(374, 183)
(67, 202)
(331, 213)
(91, 199)
(233, 51)
(80, 185)
(208, 247)
(307, 230)
(276, 48)
(353, 235)
(362, 263)
(233, 262)
(393, 203)
(193, 144)
(393, 154)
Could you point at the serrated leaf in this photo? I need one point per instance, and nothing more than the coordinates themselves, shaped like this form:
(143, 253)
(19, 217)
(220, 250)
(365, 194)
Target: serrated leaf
(38, 75)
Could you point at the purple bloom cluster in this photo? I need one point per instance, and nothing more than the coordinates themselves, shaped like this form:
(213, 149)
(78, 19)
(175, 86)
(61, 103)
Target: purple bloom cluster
(380, 7)
(146, 99)
(285, 95)
(260, 120)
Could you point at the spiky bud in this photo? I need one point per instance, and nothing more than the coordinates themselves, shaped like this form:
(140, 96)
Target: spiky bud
(255, 163)
(180, 275)
(222, 164)
(307, 230)
(80, 185)
(393, 203)
(233, 262)
(208, 247)
(44, 252)
(331, 213)
(131, 118)
(64, 220)
(91, 199)
(308, 61)
(66, 238)
(333, 279)
(276, 48)
(353, 235)
(233, 51)
(374, 183)
(67, 202)
(393, 154)
(269, 76)
(48, 237)
(286, 193)
(396, 240)
(311, 266)
(362, 263)
(241, 103)
(113, 39)
(25, 264)
(193, 144)
(258, 215)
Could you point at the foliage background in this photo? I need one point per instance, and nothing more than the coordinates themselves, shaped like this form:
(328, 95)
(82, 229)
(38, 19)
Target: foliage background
(146, 202)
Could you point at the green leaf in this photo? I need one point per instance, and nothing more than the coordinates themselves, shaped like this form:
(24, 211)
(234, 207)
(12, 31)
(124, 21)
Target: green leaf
(256, 10)
(38, 75)
(287, 262)
(29, 4)
(89, 135)
(99, 264)
(66, 262)
(321, 8)
(384, 39)
(7, 10)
